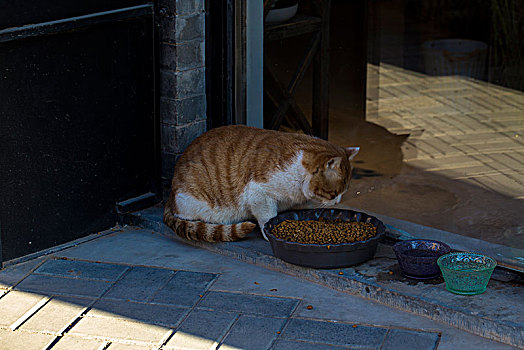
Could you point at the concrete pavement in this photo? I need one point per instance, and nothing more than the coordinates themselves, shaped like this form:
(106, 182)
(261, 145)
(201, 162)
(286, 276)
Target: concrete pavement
(136, 289)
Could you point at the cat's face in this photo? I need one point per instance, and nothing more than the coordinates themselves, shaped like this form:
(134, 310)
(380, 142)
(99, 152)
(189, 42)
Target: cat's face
(330, 180)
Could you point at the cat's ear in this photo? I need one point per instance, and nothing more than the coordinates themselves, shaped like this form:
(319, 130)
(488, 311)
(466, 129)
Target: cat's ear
(351, 152)
(334, 163)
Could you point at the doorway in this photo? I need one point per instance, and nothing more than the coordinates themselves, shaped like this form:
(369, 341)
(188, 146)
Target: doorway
(436, 105)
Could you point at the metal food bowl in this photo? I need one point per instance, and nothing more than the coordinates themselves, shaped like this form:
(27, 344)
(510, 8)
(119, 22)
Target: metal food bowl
(324, 256)
(418, 257)
(466, 273)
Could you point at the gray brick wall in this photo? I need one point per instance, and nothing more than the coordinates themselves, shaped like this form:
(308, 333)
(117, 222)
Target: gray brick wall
(182, 78)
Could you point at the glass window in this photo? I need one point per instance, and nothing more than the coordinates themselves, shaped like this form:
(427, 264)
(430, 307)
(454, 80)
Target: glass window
(442, 137)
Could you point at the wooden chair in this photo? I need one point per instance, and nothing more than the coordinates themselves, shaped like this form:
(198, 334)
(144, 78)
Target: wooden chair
(282, 96)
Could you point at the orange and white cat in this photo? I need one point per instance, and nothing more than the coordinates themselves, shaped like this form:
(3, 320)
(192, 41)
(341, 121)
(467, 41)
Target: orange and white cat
(233, 174)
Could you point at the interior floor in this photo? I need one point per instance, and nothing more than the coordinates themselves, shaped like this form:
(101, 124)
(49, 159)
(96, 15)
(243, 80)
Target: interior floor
(445, 152)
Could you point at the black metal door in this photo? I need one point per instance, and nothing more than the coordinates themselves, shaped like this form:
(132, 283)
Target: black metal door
(77, 117)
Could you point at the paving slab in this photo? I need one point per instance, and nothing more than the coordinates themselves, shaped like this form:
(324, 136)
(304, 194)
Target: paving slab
(50, 285)
(10, 340)
(56, 315)
(335, 333)
(81, 270)
(77, 343)
(400, 339)
(11, 275)
(121, 346)
(119, 329)
(140, 284)
(249, 304)
(185, 288)
(294, 345)
(14, 305)
(253, 332)
(202, 330)
(161, 315)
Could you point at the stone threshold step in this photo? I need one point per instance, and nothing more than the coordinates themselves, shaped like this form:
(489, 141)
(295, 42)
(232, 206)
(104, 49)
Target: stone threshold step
(496, 314)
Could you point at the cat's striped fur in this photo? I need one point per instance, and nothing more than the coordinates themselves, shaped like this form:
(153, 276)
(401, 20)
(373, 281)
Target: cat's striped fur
(233, 174)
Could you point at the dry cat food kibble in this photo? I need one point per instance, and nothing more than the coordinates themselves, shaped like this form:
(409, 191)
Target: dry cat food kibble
(323, 231)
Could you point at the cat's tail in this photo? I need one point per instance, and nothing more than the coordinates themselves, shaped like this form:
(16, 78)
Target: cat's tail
(203, 231)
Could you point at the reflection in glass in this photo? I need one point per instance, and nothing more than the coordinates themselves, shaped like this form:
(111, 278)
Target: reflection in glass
(442, 140)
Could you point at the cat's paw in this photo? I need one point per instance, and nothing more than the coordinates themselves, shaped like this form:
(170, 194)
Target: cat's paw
(264, 235)
(261, 225)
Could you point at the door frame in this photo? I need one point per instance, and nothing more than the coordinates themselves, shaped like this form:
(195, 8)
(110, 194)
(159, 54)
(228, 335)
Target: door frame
(234, 62)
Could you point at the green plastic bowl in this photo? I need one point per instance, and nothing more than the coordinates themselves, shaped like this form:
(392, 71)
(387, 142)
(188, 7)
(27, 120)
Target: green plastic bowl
(466, 273)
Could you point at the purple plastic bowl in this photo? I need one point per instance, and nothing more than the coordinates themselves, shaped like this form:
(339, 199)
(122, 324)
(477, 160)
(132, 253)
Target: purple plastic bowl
(418, 257)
